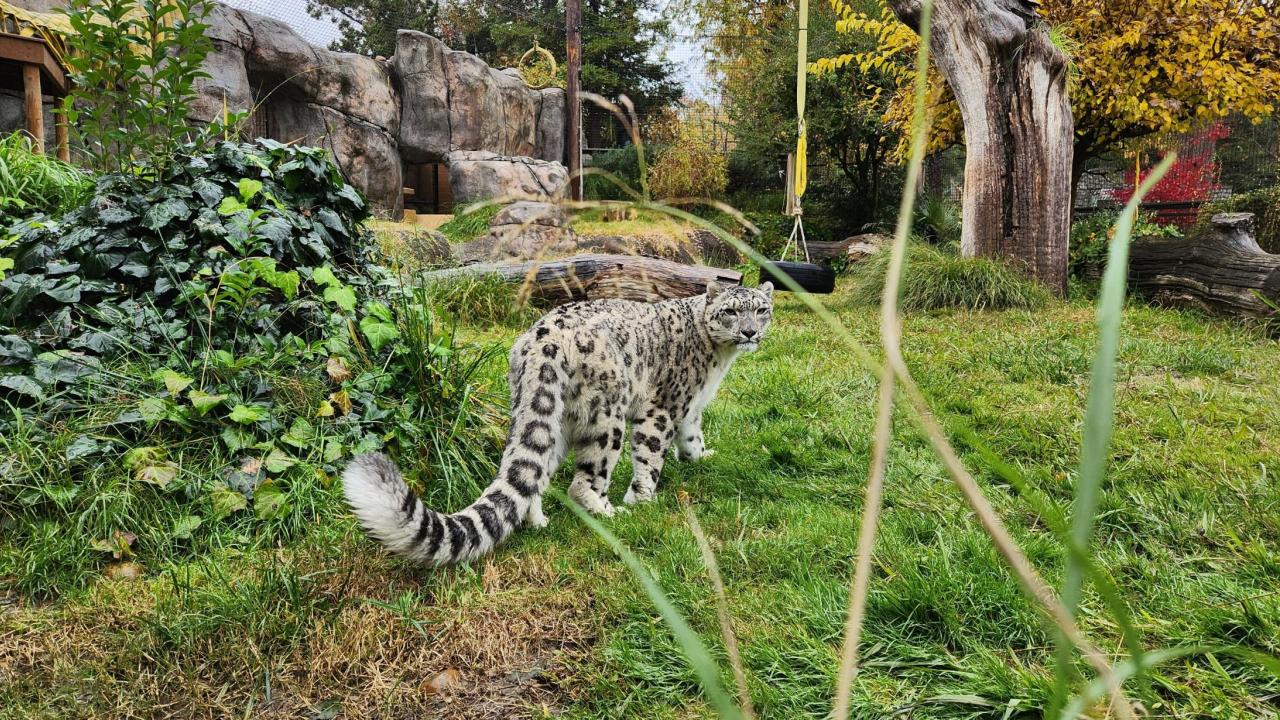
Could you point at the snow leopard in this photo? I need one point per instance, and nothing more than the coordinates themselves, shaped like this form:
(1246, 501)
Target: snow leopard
(578, 376)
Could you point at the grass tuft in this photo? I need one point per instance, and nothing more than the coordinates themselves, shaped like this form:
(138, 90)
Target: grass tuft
(938, 280)
(482, 301)
(468, 224)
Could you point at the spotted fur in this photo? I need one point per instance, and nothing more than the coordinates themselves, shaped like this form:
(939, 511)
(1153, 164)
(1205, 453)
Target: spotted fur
(578, 376)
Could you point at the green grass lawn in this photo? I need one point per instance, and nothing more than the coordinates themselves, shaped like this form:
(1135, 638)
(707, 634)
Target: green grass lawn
(319, 621)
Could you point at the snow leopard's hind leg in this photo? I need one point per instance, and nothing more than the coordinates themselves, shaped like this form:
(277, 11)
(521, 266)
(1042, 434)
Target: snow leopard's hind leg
(651, 436)
(597, 444)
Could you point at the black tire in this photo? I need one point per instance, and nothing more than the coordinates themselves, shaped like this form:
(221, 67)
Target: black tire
(817, 279)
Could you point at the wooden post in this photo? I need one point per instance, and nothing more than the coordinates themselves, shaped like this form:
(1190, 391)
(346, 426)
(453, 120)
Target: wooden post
(35, 105)
(573, 106)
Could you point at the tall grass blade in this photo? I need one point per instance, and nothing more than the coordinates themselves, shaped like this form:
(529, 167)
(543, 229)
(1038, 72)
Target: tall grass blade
(722, 608)
(1100, 410)
(704, 666)
(890, 330)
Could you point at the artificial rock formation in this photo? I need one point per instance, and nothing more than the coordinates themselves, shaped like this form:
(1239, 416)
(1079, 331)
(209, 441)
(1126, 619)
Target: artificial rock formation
(425, 104)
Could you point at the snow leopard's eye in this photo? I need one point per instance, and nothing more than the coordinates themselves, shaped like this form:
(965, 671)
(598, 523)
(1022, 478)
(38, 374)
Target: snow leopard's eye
(762, 310)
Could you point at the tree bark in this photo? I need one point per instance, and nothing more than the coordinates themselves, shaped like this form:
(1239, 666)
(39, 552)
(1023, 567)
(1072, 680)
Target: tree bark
(1223, 270)
(595, 277)
(1010, 83)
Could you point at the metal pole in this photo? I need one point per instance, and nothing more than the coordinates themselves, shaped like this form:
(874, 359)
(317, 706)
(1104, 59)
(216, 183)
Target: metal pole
(573, 106)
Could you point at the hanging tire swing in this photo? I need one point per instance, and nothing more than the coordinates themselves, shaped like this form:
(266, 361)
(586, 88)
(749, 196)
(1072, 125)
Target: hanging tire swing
(809, 276)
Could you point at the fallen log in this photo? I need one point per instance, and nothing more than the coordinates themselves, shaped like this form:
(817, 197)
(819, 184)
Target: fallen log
(853, 248)
(596, 276)
(1222, 270)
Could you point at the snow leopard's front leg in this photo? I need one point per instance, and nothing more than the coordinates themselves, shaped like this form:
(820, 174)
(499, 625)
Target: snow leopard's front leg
(650, 438)
(689, 441)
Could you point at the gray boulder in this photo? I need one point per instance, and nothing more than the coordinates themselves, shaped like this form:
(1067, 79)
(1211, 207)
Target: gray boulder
(420, 73)
(530, 212)
(551, 124)
(475, 175)
(475, 104)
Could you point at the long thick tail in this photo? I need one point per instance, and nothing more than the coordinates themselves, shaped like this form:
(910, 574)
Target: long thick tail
(394, 516)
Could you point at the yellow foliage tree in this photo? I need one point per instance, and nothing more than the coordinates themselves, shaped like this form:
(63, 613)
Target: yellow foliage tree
(1138, 67)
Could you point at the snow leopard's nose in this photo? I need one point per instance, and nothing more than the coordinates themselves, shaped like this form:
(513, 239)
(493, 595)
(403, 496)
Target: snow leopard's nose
(748, 333)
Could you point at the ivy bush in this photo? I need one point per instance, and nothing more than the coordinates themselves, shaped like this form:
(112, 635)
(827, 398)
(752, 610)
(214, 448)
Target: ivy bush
(220, 243)
(187, 359)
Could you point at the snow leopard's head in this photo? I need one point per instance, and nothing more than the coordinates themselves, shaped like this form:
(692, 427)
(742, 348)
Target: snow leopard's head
(738, 316)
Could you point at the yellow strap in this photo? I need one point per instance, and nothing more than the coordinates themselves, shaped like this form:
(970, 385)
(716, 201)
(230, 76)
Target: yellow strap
(802, 162)
(802, 66)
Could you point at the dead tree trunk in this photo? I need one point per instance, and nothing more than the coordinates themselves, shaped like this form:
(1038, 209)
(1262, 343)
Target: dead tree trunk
(1223, 270)
(1010, 84)
(595, 277)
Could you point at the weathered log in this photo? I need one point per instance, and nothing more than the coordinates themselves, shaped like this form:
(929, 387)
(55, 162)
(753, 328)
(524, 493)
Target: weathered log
(1222, 270)
(594, 277)
(1010, 84)
(853, 248)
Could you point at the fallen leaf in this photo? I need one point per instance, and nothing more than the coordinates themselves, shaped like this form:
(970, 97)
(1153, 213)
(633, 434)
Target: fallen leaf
(124, 571)
(445, 682)
(251, 466)
(325, 409)
(120, 544)
(160, 474)
(341, 400)
(337, 369)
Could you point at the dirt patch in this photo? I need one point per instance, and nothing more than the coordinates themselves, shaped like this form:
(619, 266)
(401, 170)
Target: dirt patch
(360, 644)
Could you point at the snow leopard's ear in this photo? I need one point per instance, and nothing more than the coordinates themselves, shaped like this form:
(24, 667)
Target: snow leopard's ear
(766, 288)
(713, 290)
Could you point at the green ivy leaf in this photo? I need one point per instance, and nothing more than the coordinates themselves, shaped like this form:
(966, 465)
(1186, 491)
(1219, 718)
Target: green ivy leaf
(249, 188)
(247, 414)
(23, 385)
(277, 461)
(300, 433)
(230, 206)
(84, 446)
(203, 402)
(269, 501)
(226, 501)
(185, 525)
(165, 212)
(324, 276)
(174, 382)
(153, 410)
(341, 296)
(377, 332)
(235, 438)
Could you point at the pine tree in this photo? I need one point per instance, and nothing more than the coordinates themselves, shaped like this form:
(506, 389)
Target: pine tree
(369, 27)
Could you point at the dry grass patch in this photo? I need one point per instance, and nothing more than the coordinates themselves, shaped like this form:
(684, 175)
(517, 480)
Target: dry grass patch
(365, 638)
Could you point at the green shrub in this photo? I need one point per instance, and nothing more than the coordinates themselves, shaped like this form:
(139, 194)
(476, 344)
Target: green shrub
(190, 357)
(139, 262)
(1091, 237)
(937, 220)
(32, 182)
(134, 65)
(624, 165)
(466, 226)
(935, 279)
(751, 172)
(689, 168)
(1264, 203)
